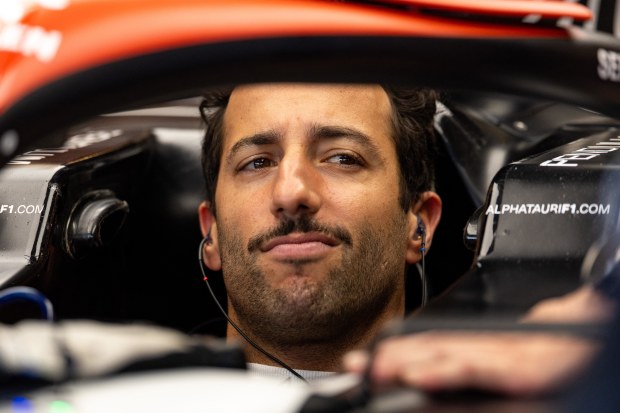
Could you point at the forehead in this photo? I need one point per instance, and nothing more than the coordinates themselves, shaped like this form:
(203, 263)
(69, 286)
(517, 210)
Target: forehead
(283, 107)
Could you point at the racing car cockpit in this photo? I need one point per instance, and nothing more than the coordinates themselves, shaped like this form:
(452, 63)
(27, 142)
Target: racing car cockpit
(123, 191)
(99, 200)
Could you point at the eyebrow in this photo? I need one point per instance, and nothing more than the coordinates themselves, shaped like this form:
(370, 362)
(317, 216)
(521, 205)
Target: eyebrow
(263, 138)
(332, 132)
(316, 133)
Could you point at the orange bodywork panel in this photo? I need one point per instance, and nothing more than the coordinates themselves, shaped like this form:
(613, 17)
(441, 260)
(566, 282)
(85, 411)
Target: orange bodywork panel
(50, 43)
(549, 9)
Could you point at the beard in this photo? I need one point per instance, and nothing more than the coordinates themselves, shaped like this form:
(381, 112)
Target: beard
(314, 309)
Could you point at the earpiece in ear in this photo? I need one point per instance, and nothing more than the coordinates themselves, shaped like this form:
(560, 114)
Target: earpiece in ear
(421, 230)
(421, 233)
(208, 240)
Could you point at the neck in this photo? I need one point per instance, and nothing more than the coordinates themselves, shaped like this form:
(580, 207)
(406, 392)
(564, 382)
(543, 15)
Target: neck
(323, 355)
(302, 357)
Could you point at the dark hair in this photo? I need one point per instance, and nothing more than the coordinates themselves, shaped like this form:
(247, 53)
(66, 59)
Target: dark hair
(413, 113)
(413, 110)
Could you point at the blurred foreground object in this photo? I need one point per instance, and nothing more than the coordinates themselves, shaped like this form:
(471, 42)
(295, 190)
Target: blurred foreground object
(86, 349)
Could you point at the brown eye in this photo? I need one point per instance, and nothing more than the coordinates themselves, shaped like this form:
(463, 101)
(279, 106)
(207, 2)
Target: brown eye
(258, 163)
(344, 159)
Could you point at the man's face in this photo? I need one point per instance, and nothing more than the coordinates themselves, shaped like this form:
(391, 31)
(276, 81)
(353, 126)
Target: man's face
(309, 228)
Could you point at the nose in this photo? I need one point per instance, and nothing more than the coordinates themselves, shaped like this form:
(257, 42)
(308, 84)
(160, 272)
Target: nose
(296, 189)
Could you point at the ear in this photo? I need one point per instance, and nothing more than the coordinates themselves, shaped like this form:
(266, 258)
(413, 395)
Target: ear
(428, 209)
(211, 253)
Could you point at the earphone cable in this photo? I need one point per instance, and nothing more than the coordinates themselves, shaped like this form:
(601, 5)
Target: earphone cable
(232, 323)
(423, 272)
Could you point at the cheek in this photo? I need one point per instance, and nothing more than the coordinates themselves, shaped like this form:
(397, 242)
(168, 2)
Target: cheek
(239, 207)
(367, 201)
(241, 218)
(370, 210)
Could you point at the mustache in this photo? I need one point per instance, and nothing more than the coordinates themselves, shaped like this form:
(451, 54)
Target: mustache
(301, 224)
